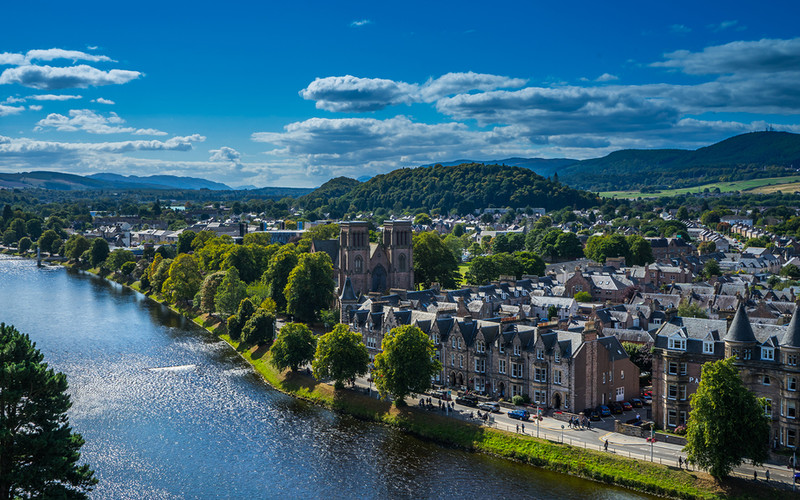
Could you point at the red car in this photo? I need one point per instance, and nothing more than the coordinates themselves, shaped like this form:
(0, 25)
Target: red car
(627, 406)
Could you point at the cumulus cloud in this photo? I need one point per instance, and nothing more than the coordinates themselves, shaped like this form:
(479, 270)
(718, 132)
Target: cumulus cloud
(88, 121)
(101, 100)
(606, 77)
(54, 97)
(353, 94)
(224, 154)
(35, 107)
(8, 58)
(24, 146)
(359, 23)
(762, 56)
(10, 110)
(51, 78)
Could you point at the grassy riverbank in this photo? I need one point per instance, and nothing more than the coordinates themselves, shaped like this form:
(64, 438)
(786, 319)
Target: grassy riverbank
(603, 467)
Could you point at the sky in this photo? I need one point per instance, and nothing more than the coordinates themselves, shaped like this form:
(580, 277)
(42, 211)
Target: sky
(295, 93)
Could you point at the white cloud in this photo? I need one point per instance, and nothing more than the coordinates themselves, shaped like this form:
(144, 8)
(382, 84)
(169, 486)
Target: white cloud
(8, 58)
(50, 78)
(606, 77)
(353, 94)
(762, 56)
(724, 25)
(225, 154)
(10, 110)
(359, 23)
(54, 97)
(88, 121)
(13, 100)
(101, 100)
(24, 146)
(35, 107)
(75, 55)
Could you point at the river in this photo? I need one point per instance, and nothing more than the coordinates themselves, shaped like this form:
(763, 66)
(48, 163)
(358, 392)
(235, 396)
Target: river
(169, 411)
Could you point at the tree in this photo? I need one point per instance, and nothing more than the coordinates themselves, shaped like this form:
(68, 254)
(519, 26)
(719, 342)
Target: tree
(258, 328)
(40, 452)
(552, 312)
(682, 214)
(569, 246)
(185, 241)
(49, 239)
(294, 346)
(310, 287)
(237, 321)
(727, 422)
(688, 309)
(75, 246)
(583, 297)
(208, 289)
(790, 270)
(423, 219)
(242, 258)
(711, 268)
(707, 247)
(118, 257)
(258, 238)
(641, 356)
(184, 279)
(24, 244)
(99, 251)
(230, 293)
(160, 275)
(341, 355)
(405, 364)
(277, 274)
(598, 248)
(639, 250)
(434, 262)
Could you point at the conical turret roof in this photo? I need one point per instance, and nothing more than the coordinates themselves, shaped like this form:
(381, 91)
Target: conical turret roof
(348, 294)
(740, 329)
(792, 336)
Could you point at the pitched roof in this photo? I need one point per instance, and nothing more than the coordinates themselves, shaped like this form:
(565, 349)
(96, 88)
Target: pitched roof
(740, 329)
(347, 291)
(792, 336)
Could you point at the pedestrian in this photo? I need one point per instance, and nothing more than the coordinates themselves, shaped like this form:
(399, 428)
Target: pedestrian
(605, 445)
(755, 475)
(680, 462)
(517, 428)
(523, 428)
(766, 474)
(588, 424)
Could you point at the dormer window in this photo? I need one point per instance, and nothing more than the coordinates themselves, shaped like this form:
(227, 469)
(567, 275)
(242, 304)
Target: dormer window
(677, 343)
(516, 349)
(539, 353)
(556, 356)
(768, 353)
(708, 347)
(480, 346)
(500, 346)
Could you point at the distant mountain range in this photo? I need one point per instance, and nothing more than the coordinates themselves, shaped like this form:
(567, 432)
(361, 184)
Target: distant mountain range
(747, 156)
(69, 182)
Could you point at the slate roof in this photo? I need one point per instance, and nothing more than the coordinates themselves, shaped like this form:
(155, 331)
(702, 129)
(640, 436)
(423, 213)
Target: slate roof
(791, 338)
(330, 247)
(740, 329)
(347, 292)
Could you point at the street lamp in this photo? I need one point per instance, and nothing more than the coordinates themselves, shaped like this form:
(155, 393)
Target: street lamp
(562, 433)
(537, 422)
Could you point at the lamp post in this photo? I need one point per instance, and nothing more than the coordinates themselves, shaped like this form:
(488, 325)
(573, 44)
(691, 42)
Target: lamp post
(562, 433)
(652, 440)
(537, 422)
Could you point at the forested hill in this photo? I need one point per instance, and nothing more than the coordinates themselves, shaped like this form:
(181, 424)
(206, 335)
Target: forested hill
(330, 195)
(464, 188)
(747, 156)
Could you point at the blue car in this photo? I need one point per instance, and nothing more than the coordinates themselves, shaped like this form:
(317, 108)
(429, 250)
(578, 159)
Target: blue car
(604, 411)
(519, 414)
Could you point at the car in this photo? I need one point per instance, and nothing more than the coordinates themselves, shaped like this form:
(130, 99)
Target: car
(627, 406)
(467, 401)
(591, 414)
(647, 399)
(603, 411)
(636, 402)
(615, 408)
(443, 395)
(519, 414)
(490, 406)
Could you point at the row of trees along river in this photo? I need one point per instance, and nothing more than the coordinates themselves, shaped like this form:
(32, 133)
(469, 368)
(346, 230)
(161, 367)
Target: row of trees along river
(167, 410)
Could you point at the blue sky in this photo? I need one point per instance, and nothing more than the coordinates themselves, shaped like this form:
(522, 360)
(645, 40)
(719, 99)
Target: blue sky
(294, 93)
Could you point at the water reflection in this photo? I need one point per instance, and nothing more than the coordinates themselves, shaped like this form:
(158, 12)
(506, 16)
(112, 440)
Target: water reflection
(169, 411)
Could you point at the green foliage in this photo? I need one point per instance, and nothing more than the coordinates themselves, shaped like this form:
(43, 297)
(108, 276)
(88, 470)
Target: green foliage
(160, 275)
(24, 244)
(518, 400)
(433, 261)
(237, 321)
(727, 422)
(552, 312)
(483, 269)
(75, 246)
(185, 240)
(640, 355)
(761, 241)
(341, 355)
(682, 214)
(294, 346)
(241, 257)
(184, 279)
(583, 297)
(711, 268)
(599, 248)
(423, 219)
(40, 452)
(99, 251)
(10, 237)
(258, 238)
(49, 241)
(201, 239)
(310, 287)
(789, 270)
(405, 364)
(707, 247)
(277, 274)
(127, 268)
(209, 289)
(640, 252)
(258, 328)
(118, 257)
(230, 292)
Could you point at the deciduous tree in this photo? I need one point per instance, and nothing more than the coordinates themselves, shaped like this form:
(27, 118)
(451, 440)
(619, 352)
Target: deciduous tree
(434, 262)
(341, 355)
(310, 287)
(294, 346)
(406, 363)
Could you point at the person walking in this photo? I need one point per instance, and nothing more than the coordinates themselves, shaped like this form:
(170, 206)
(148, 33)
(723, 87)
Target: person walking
(523, 428)
(517, 428)
(605, 445)
(680, 462)
(766, 474)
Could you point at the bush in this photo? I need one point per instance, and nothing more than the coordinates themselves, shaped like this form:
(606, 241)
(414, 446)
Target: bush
(517, 400)
(258, 329)
(127, 268)
(680, 430)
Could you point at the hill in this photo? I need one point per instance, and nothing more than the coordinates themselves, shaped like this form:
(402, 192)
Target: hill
(463, 188)
(164, 181)
(755, 155)
(542, 166)
(330, 197)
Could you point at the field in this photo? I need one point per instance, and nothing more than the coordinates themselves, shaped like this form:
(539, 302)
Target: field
(760, 186)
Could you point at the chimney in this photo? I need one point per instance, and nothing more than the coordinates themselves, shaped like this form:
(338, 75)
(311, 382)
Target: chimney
(589, 331)
(377, 306)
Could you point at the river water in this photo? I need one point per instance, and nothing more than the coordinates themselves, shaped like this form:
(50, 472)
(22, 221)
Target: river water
(169, 411)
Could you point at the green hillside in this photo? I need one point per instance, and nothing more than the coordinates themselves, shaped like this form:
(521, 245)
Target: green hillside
(755, 155)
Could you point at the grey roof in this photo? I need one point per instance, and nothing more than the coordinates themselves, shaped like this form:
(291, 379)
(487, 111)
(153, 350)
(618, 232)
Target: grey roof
(740, 329)
(792, 336)
(347, 292)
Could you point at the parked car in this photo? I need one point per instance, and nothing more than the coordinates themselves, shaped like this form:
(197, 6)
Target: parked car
(636, 402)
(519, 414)
(467, 401)
(615, 408)
(603, 411)
(647, 399)
(443, 395)
(591, 414)
(490, 406)
(627, 406)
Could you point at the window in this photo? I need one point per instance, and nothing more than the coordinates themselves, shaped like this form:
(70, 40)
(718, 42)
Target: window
(610, 376)
(516, 370)
(747, 353)
(540, 375)
(677, 344)
(735, 353)
(459, 343)
(791, 384)
(672, 416)
(682, 391)
(516, 349)
(500, 346)
(453, 342)
(768, 407)
(673, 368)
(768, 353)
(371, 343)
(539, 353)
(673, 392)
(791, 435)
(791, 359)
(452, 360)
(358, 265)
(502, 366)
(402, 263)
(435, 338)
(557, 377)
(480, 384)
(684, 369)
(480, 365)
(557, 356)
(682, 420)
(460, 361)
(481, 346)
(708, 347)
(620, 393)
(765, 380)
(604, 377)
(622, 374)
(791, 409)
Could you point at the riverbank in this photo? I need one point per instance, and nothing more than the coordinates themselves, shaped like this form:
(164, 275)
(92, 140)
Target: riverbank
(603, 467)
